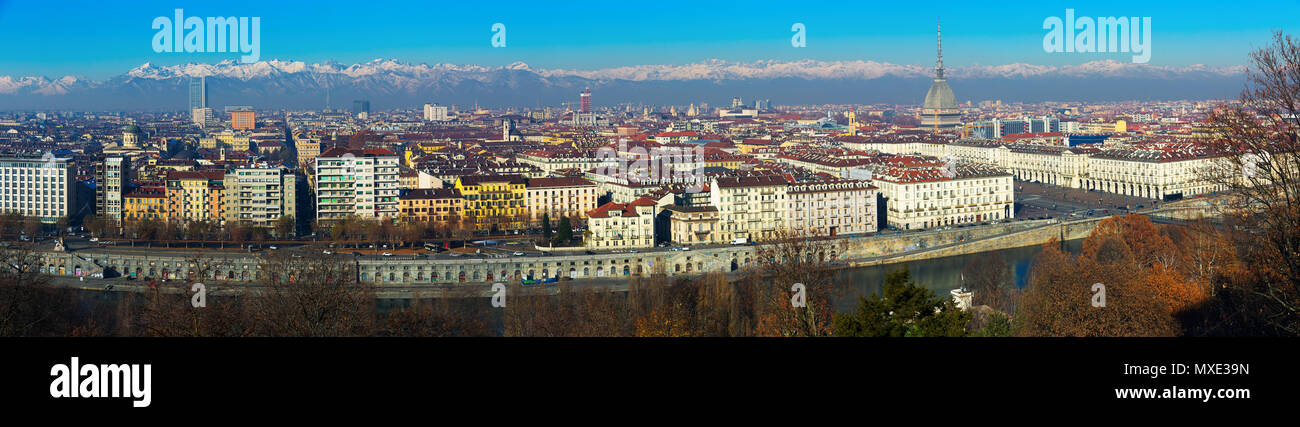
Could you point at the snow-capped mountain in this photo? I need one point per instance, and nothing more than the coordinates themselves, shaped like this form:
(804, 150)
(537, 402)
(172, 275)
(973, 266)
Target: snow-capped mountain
(389, 83)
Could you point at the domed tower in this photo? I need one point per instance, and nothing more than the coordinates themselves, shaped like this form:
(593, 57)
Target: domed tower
(131, 136)
(939, 111)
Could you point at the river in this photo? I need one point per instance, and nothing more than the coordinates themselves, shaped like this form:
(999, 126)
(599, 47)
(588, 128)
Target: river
(939, 274)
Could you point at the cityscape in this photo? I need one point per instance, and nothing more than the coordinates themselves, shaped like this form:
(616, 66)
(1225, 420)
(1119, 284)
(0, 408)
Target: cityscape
(239, 194)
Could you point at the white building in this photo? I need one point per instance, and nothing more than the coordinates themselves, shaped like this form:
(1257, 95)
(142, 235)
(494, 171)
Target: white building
(260, 196)
(38, 187)
(203, 117)
(622, 225)
(364, 183)
(831, 208)
(928, 197)
(749, 207)
(559, 197)
(435, 112)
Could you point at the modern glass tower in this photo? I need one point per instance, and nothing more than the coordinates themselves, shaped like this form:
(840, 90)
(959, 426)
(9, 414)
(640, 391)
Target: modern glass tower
(198, 92)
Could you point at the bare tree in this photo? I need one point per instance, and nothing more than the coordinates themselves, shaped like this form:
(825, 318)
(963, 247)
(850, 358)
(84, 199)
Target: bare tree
(312, 295)
(989, 279)
(29, 304)
(1260, 139)
(796, 257)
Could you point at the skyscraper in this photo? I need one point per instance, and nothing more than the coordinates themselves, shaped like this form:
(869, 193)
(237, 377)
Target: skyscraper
(939, 111)
(584, 99)
(198, 92)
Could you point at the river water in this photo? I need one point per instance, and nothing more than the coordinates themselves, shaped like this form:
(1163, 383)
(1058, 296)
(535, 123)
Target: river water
(939, 274)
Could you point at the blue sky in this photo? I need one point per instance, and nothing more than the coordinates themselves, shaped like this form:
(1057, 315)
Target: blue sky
(99, 39)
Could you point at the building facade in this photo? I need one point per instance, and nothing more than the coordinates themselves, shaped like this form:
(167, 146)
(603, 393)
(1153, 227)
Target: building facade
(559, 197)
(38, 187)
(260, 196)
(196, 196)
(831, 208)
(437, 205)
(929, 197)
(494, 201)
(614, 226)
(112, 178)
(363, 183)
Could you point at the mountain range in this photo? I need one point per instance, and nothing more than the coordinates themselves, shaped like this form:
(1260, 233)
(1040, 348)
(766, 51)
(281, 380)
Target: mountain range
(388, 83)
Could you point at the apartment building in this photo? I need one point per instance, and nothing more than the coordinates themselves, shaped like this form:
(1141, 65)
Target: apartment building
(438, 205)
(622, 225)
(1164, 172)
(929, 197)
(831, 208)
(550, 161)
(147, 203)
(243, 120)
(38, 187)
(435, 112)
(749, 207)
(692, 225)
(559, 197)
(1155, 170)
(361, 182)
(196, 196)
(260, 195)
(112, 178)
(308, 149)
(494, 201)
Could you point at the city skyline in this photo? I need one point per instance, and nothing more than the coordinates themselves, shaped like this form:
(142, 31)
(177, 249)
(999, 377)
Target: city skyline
(103, 41)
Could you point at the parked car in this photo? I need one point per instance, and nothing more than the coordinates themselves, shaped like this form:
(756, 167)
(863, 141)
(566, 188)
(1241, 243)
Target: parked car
(387, 254)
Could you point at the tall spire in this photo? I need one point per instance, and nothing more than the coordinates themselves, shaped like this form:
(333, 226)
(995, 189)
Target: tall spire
(938, 68)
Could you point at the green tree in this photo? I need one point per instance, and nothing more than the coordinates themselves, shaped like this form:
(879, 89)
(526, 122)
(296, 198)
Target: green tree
(565, 232)
(546, 227)
(903, 309)
(284, 226)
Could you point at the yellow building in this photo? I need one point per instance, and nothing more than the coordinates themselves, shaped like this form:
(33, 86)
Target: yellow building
(494, 201)
(440, 205)
(196, 196)
(145, 204)
(308, 149)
